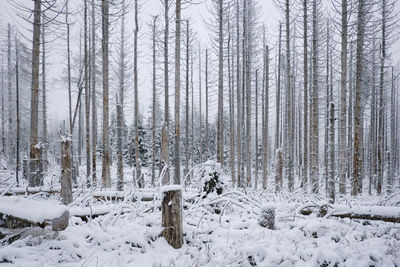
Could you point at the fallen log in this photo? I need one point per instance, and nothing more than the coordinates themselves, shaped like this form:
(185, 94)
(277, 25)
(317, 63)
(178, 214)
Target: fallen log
(373, 213)
(16, 212)
(32, 190)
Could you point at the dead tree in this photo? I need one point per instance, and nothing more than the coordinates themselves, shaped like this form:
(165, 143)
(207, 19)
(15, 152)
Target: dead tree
(35, 159)
(94, 97)
(87, 95)
(105, 175)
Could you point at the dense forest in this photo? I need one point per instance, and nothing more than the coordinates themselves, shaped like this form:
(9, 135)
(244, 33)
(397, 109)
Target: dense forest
(223, 113)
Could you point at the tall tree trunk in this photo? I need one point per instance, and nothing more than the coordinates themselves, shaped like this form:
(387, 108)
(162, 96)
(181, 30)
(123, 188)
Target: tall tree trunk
(3, 137)
(290, 104)
(381, 104)
(166, 82)
(187, 102)
(256, 133)
(220, 127)
(238, 97)
(10, 138)
(94, 97)
(343, 95)
(304, 178)
(231, 114)
(357, 160)
(17, 110)
(153, 128)
(207, 152)
(266, 117)
(138, 165)
(44, 101)
(36, 176)
(248, 91)
(278, 92)
(200, 122)
(177, 162)
(373, 128)
(314, 121)
(105, 175)
(87, 95)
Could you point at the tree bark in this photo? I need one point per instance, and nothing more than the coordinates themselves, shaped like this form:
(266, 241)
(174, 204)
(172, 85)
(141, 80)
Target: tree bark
(304, 178)
(94, 97)
(220, 122)
(36, 176)
(177, 161)
(66, 170)
(105, 176)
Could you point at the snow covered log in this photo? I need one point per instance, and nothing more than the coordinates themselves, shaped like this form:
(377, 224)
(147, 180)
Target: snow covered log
(374, 213)
(16, 212)
(120, 196)
(32, 190)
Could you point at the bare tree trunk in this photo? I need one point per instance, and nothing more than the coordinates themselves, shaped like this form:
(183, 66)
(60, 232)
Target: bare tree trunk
(153, 130)
(373, 126)
(120, 163)
(105, 175)
(238, 97)
(206, 85)
(290, 103)
(17, 109)
(87, 95)
(36, 176)
(381, 104)
(138, 165)
(166, 79)
(357, 161)
(177, 161)
(220, 127)
(200, 122)
(44, 101)
(10, 138)
(187, 103)
(314, 121)
(304, 178)
(343, 95)
(94, 97)
(256, 133)
(231, 114)
(248, 91)
(3, 137)
(266, 118)
(278, 92)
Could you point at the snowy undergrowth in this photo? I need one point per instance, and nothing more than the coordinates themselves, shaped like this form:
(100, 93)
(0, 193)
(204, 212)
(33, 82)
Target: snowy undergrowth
(219, 230)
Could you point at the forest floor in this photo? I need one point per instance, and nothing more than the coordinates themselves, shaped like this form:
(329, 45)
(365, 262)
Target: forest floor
(219, 230)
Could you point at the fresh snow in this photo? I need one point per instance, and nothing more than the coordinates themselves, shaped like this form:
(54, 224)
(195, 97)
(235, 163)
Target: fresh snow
(29, 209)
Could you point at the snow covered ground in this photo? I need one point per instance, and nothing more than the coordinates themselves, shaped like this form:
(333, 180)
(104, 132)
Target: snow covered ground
(219, 230)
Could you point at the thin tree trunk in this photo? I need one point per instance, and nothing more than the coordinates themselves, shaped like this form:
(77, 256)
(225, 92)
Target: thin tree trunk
(187, 103)
(266, 118)
(200, 122)
(206, 85)
(256, 132)
(87, 95)
(231, 115)
(278, 92)
(120, 163)
(220, 127)
(177, 161)
(3, 137)
(304, 179)
(248, 93)
(10, 138)
(166, 81)
(94, 97)
(138, 165)
(17, 109)
(105, 176)
(153, 130)
(238, 97)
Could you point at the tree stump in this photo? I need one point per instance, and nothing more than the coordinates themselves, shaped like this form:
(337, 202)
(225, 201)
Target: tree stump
(267, 217)
(172, 217)
(25, 170)
(66, 170)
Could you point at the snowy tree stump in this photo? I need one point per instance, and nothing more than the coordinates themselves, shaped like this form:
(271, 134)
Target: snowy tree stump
(172, 216)
(267, 217)
(66, 170)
